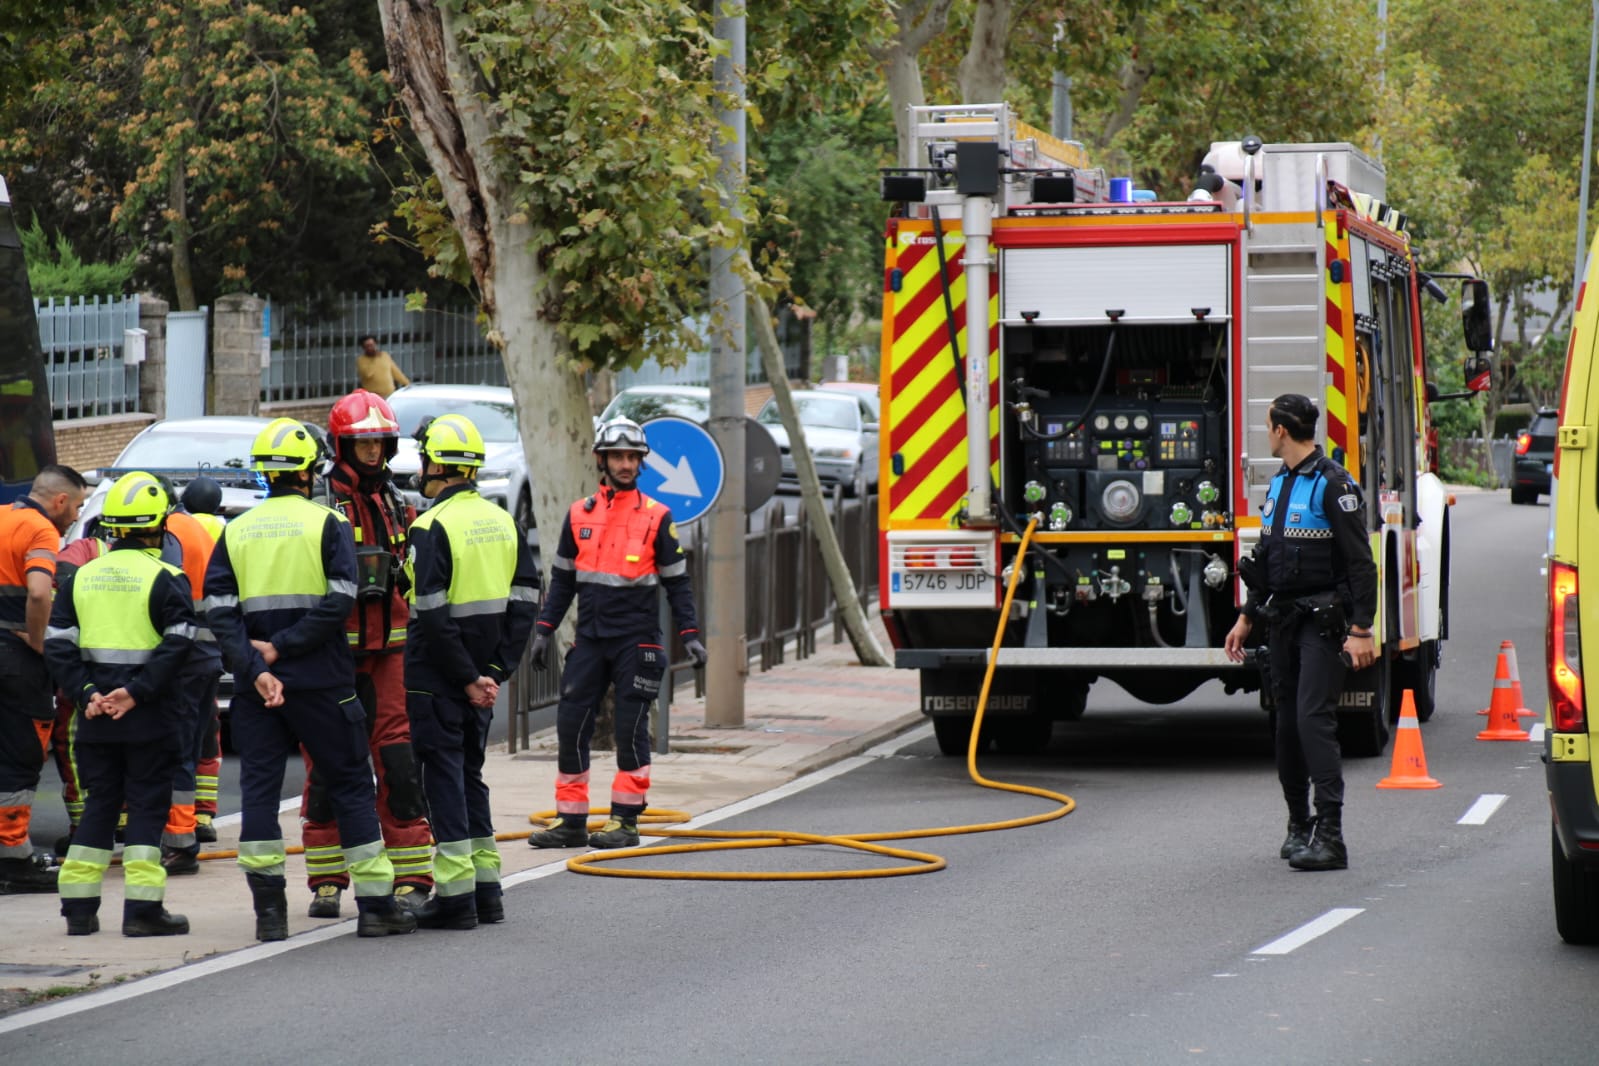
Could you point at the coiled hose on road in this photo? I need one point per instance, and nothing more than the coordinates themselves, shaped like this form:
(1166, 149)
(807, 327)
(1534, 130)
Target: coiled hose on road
(921, 862)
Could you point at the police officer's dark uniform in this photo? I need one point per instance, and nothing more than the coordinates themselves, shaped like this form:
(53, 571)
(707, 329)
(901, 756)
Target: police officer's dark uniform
(279, 586)
(1313, 581)
(121, 630)
(617, 546)
(474, 595)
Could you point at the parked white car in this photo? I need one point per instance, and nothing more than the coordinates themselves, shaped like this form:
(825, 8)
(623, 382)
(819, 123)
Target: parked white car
(644, 402)
(841, 432)
(504, 478)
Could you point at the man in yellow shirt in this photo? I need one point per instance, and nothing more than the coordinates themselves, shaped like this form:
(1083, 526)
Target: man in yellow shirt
(377, 369)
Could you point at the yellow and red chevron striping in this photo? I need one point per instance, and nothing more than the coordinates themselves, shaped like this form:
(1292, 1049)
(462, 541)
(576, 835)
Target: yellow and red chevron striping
(1336, 401)
(925, 421)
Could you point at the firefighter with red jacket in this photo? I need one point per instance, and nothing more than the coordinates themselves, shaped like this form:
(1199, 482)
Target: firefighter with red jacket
(617, 546)
(364, 436)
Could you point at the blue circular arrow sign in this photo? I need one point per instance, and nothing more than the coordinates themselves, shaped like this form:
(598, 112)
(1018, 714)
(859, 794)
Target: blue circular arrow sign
(684, 469)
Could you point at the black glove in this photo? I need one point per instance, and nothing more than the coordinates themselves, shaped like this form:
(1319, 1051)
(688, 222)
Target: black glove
(696, 651)
(539, 656)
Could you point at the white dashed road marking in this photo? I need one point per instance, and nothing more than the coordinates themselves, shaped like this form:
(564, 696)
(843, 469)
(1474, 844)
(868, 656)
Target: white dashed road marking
(1309, 931)
(1483, 809)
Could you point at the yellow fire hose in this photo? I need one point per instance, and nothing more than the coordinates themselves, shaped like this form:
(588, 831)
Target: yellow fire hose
(735, 840)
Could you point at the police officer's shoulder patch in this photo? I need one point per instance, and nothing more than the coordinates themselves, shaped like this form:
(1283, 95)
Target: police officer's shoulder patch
(1266, 508)
(1349, 501)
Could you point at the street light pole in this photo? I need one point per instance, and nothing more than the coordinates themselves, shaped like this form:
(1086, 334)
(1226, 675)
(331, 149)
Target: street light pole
(724, 595)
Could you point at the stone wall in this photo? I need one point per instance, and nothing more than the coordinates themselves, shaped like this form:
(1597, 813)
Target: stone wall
(87, 443)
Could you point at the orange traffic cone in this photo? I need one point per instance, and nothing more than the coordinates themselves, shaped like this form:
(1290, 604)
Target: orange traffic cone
(1409, 768)
(1522, 710)
(1502, 710)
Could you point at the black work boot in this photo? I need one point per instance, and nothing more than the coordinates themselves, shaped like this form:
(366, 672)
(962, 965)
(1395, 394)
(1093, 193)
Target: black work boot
(27, 875)
(1326, 849)
(566, 833)
(490, 906)
(448, 912)
(152, 921)
(179, 861)
(617, 833)
(1298, 836)
(388, 918)
(81, 919)
(204, 831)
(325, 901)
(411, 896)
(271, 910)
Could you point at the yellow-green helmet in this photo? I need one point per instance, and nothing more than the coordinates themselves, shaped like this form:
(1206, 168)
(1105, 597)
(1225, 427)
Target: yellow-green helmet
(284, 445)
(452, 440)
(137, 501)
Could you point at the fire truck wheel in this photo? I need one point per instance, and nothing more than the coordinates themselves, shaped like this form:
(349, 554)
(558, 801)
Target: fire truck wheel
(954, 735)
(1420, 676)
(1023, 736)
(1576, 898)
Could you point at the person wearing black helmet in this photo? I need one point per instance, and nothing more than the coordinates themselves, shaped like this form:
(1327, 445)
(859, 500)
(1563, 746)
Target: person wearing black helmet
(1311, 578)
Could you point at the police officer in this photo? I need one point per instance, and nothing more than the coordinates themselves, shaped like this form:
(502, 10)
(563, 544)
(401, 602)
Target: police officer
(474, 595)
(279, 586)
(616, 547)
(30, 534)
(120, 633)
(1312, 579)
(365, 436)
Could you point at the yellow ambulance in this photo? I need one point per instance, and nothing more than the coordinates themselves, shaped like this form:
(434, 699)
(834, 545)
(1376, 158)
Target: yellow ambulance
(1571, 735)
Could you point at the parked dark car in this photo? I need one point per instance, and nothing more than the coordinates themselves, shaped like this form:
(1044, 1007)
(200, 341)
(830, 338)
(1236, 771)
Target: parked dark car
(1535, 457)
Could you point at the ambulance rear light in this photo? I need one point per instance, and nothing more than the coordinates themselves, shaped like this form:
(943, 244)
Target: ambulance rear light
(1523, 442)
(1563, 651)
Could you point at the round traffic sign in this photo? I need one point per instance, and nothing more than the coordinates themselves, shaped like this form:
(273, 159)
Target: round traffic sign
(684, 468)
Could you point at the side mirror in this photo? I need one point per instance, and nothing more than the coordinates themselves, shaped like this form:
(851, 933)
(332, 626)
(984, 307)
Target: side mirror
(1479, 373)
(870, 427)
(1432, 391)
(1476, 311)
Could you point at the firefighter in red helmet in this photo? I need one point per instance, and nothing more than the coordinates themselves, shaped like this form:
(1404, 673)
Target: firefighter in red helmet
(363, 436)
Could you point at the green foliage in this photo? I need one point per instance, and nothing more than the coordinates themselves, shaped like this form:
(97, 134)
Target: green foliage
(55, 269)
(205, 128)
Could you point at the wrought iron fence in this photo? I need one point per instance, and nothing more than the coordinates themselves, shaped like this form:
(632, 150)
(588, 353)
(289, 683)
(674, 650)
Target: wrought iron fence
(787, 600)
(82, 340)
(313, 354)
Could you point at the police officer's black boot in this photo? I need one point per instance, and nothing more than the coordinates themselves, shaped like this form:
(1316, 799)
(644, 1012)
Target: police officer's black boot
(572, 831)
(1298, 836)
(619, 832)
(383, 916)
(150, 918)
(1326, 849)
(271, 907)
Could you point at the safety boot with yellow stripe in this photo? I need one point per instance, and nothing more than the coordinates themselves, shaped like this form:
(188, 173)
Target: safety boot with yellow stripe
(617, 833)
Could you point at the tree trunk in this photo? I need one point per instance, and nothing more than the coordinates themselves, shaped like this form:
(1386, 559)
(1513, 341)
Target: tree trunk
(982, 74)
(1135, 75)
(182, 236)
(919, 22)
(867, 650)
(439, 88)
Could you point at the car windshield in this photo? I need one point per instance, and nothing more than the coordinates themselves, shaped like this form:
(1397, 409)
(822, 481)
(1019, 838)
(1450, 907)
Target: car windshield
(496, 421)
(824, 412)
(643, 406)
(188, 448)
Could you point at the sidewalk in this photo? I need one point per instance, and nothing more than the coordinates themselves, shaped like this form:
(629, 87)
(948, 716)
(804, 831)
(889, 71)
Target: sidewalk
(798, 717)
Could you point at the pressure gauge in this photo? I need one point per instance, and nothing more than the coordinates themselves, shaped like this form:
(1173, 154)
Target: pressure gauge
(1102, 422)
(1141, 422)
(1121, 423)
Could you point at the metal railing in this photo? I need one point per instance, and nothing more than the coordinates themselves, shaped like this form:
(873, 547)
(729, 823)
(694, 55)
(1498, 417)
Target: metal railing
(82, 340)
(313, 355)
(787, 600)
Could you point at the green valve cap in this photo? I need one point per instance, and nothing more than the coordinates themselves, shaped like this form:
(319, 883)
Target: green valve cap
(1181, 514)
(1207, 492)
(1033, 491)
